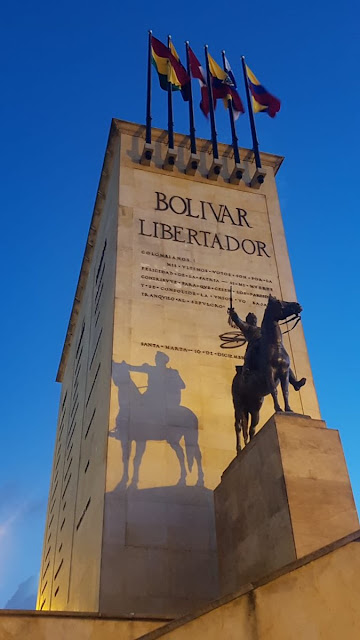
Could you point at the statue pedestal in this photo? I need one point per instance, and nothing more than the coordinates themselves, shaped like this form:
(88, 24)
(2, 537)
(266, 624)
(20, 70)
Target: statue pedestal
(284, 496)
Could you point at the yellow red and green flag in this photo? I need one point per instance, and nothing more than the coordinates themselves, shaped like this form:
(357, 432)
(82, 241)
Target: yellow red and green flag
(169, 68)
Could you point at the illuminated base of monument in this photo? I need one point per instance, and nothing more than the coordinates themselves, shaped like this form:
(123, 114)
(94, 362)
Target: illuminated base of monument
(287, 545)
(287, 494)
(315, 597)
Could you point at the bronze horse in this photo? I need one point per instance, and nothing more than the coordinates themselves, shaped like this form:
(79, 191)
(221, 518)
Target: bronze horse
(271, 366)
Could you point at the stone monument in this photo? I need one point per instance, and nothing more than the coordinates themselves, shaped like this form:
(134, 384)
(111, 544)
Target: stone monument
(145, 428)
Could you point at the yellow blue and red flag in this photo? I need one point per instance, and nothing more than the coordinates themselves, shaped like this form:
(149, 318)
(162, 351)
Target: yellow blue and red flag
(169, 68)
(262, 100)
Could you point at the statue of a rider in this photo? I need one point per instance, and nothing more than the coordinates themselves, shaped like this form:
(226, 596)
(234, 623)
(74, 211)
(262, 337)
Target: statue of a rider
(252, 334)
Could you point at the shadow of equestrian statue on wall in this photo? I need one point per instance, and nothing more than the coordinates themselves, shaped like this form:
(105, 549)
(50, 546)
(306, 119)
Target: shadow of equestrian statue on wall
(156, 414)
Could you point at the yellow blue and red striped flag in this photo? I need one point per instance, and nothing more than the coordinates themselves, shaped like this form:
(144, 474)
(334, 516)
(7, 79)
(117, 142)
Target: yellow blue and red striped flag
(262, 100)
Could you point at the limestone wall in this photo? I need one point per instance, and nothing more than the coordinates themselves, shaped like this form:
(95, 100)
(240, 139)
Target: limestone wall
(70, 569)
(182, 241)
(16, 625)
(146, 413)
(316, 600)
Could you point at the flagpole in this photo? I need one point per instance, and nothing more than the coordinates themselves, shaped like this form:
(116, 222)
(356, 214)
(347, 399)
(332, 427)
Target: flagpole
(191, 104)
(211, 107)
(148, 93)
(251, 117)
(232, 121)
(170, 106)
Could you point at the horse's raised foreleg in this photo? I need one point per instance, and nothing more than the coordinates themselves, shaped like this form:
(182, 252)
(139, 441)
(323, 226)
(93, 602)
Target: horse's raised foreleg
(284, 381)
(139, 452)
(297, 384)
(180, 456)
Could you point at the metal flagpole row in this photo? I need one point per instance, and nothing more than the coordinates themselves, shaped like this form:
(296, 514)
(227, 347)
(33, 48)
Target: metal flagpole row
(191, 109)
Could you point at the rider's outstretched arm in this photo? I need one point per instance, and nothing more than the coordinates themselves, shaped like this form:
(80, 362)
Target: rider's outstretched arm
(142, 368)
(237, 320)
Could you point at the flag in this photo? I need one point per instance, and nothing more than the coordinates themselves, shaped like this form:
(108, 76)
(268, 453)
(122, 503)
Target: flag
(229, 71)
(262, 100)
(169, 68)
(223, 87)
(198, 72)
(233, 95)
(185, 88)
(219, 76)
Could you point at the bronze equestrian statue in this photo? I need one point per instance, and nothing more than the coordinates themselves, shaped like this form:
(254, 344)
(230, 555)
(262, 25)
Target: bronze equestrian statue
(266, 364)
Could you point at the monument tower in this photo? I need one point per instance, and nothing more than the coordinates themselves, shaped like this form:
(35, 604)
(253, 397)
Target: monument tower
(155, 514)
(145, 425)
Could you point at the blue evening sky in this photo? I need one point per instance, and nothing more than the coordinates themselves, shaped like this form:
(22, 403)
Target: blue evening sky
(67, 69)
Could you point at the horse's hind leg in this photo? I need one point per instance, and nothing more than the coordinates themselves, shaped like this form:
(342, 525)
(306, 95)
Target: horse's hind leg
(180, 455)
(284, 381)
(200, 480)
(125, 451)
(255, 417)
(245, 425)
(238, 415)
(238, 439)
(139, 452)
(237, 431)
(273, 390)
(237, 409)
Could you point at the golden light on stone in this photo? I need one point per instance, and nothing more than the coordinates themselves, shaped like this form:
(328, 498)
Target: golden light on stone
(146, 422)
